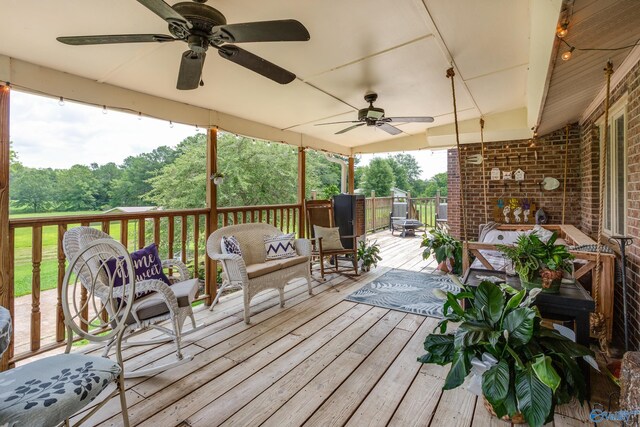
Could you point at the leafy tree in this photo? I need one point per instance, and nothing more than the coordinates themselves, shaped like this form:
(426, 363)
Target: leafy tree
(130, 187)
(105, 175)
(358, 176)
(401, 178)
(329, 191)
(379, 177)
(321, 172)
(409, 164)
(32, 188)
(436, 182)
(182, 183)
(75, 188)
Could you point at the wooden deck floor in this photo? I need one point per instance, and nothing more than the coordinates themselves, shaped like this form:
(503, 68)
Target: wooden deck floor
(320, 361)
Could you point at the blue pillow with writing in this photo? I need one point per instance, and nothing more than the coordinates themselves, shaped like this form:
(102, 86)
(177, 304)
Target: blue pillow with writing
(146, 265)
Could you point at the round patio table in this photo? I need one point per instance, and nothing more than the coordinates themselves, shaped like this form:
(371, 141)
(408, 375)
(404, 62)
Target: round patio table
(406, 226)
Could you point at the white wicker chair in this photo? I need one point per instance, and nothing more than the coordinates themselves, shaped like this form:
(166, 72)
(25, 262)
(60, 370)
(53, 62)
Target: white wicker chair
(251, 272)
(49, 391)
(172, 303)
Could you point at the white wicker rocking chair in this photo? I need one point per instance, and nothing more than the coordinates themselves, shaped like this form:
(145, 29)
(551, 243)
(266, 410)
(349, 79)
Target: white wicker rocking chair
(165, 302)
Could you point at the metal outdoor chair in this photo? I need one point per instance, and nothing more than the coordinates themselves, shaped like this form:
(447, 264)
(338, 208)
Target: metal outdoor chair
(163, 304)
(51, 390)
(320, 213)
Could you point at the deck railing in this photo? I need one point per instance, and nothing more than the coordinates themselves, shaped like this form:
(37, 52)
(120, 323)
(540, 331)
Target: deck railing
(38, 262)
(179, 234)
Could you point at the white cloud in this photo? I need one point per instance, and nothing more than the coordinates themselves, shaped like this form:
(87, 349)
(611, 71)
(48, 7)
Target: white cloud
(45, 134)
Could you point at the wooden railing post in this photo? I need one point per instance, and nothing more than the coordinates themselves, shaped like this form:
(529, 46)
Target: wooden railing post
(373, 210)
(302, 188)
(60, 328)
(211, 287)
(5, 291)
(36, 258)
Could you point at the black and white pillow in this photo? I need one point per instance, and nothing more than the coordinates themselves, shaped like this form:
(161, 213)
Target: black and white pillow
(230, 245)
(280, 246)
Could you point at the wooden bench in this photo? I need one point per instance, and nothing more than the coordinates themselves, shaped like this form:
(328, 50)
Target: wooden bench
(573, 237)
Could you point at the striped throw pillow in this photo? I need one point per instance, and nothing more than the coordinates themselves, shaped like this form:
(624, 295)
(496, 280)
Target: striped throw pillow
(280, 246)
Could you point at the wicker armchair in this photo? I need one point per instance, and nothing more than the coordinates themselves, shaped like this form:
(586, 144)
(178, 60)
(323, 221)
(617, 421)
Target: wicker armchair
(172, 303)
(49, 391)
(250, 271)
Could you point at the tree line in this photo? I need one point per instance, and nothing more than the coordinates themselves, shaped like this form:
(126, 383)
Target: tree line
(255, 173)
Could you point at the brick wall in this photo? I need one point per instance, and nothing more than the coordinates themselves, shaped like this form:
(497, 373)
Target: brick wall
(509, 156)
(590, 151)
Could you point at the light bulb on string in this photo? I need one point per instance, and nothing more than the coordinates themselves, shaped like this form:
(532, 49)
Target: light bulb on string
(61, 102)
(170, 124)
(104, 109)
(563, 30)
(139, 115)
(567, 55)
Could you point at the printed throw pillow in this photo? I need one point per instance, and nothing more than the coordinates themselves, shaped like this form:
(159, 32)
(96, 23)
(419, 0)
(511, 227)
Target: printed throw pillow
(146, 265)
(330, 237)
(280, 246)
(542, 232)
(230, 245)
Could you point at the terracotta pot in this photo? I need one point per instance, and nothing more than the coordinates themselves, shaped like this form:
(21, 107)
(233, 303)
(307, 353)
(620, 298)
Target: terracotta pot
(517, 418)
(443, 265)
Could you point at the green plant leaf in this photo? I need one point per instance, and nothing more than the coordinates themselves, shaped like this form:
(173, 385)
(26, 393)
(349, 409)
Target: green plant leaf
(453, 303)
(515, 300)
(519, 323)
(545, 372)
(508, 289)
(439, 349)
(495, 383)
(494, 337)
(460, 368)
(490, 299)
(534, 397)
(469, 334)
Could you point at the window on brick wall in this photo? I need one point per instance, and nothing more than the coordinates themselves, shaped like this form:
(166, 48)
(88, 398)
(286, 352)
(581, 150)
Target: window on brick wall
(615, 197)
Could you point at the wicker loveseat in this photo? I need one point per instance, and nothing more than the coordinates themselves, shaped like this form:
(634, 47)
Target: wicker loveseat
(251, 271)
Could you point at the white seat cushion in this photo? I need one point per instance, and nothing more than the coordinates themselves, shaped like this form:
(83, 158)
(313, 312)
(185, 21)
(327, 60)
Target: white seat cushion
(49, 390)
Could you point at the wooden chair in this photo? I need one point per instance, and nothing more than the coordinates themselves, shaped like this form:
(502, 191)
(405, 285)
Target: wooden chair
(320, 213)
(49, 391)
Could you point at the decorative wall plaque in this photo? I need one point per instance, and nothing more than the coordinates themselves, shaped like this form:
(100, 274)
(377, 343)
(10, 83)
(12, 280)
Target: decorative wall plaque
(495, 174)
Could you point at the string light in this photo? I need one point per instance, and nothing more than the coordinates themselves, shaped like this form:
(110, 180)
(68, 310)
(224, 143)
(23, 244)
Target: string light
(567, 55)
(61, 102)
(170, 124)
(563, 30)
(104, 109)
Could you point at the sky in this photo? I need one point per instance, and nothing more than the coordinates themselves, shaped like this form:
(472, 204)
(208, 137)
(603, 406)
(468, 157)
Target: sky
(46, 134)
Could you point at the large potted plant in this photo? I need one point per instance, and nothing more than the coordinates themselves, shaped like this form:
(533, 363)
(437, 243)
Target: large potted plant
(539, 264)
(524, 370)
(368, 255)
(446, 249)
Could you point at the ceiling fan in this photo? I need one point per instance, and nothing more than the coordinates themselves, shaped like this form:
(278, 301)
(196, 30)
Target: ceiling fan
(372, 116)
(201, 27)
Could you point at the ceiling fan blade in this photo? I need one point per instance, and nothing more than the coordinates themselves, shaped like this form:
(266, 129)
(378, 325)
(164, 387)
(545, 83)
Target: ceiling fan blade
(409, 119)
(349, 128)
(190, 70)
(255, 63)
(166, 12)
(388, 128)
(337, 123)
(265, 31)
(115, 38)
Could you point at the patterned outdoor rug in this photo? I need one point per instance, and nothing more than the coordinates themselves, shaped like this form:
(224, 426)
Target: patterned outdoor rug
(408, 291)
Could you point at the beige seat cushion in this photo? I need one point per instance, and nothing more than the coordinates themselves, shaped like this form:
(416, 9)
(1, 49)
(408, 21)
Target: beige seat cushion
(153, 305)
(260, 269)
(330, 237)
(290, 262)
